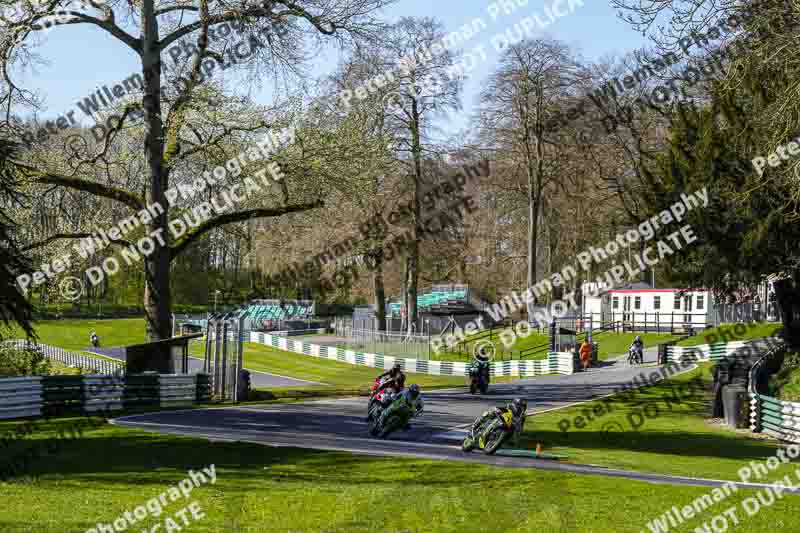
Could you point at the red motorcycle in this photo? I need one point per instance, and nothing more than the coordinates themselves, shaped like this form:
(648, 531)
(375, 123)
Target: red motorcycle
(378, 394)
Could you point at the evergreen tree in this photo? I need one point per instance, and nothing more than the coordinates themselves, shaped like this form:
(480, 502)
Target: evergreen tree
(747, 232)
(14, 307)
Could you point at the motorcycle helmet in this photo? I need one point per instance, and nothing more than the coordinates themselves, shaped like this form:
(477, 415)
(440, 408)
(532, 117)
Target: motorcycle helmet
(396, 368)
(519, 406)
(637, 339)
(413, 392)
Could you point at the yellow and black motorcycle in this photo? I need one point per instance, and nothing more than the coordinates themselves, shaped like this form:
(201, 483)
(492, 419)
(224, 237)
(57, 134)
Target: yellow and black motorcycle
(490, 435)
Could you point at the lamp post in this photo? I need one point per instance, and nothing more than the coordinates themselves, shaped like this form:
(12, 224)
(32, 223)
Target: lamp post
(216, 293)
(428, 327)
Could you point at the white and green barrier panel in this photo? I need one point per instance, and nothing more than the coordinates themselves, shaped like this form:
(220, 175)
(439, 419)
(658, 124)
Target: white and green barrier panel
(73, 359)
(556, 362)
(58, 395)
(20, 397)
(779, 419)
(717, 351)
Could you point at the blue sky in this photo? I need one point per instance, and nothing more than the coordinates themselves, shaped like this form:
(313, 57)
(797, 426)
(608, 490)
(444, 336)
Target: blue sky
(83, 58)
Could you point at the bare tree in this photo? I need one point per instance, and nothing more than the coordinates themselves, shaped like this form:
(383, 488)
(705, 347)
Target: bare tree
(425, 85)
(534, 78)
(169, 138)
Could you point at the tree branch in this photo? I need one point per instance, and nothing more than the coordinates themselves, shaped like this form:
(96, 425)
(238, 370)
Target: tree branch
(166, 10)
(180, 245)
(97, 189)
(107, 24)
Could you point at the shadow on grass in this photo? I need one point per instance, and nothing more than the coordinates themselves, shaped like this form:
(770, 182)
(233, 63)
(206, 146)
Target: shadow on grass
(122, 456)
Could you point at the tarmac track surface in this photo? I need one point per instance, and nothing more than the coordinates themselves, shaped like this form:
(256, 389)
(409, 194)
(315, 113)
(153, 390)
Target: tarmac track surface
(437, 434)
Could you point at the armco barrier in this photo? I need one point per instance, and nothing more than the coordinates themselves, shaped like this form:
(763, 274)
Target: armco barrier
(556, 362)
(20, 397)
(717, 351)
(73, 359)
(57, 395)
(777, 418)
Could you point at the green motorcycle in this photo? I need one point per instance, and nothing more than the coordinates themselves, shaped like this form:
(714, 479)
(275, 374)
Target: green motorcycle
(394, 417)
(490, 435)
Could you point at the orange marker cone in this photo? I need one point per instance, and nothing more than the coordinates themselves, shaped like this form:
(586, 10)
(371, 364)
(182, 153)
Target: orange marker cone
(538, 450)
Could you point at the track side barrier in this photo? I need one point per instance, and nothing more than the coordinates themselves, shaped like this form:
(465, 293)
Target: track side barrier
(556, 362)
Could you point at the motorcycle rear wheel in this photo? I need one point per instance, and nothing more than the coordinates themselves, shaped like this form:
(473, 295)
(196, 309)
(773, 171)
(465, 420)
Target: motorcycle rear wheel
(472, 388)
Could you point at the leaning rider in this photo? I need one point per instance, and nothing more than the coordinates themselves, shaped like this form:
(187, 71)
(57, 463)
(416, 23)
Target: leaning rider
(409, 399)
(518, 407)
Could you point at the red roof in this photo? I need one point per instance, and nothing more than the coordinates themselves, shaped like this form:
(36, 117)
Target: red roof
(657, 290)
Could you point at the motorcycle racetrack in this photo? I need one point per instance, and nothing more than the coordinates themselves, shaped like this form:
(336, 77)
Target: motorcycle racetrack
(341, 425)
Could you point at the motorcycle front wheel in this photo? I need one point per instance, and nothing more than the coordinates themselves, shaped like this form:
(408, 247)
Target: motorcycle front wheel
(391, 425)
(469, 444)
(494, 440)
(373, 427)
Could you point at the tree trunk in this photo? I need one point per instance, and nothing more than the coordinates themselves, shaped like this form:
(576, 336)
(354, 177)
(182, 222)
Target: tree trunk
(380, 291)
(413, 253)
(786, 296)
(157, 303)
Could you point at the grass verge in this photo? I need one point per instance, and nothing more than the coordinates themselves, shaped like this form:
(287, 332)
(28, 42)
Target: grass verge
(337, 376)
(662, 428)
(259, 488)
(73, 334)
(733, 332)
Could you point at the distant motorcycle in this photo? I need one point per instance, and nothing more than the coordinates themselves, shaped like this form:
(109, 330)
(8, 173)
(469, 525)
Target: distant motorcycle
(479, 377)
(95, 341)
(490, 435)
(635, 356)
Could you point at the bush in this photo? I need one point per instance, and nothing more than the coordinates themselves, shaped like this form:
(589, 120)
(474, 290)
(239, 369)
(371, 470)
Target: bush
(17, 362)
(792, 360)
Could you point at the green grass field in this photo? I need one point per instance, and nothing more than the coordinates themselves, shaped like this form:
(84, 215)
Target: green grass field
(73, 334)
(336, 375)
(728, 333)
(676, 439)
(614, 344)
(258, 488)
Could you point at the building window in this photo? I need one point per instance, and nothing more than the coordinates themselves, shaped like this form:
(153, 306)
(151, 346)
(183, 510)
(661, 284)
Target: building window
(637, 302)
(699, 304)
(615, 302)
(677, 300)
(656, 302)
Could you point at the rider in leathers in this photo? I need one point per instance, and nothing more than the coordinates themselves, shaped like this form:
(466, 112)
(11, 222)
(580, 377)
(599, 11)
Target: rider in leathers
(409, 398)
(518, 408)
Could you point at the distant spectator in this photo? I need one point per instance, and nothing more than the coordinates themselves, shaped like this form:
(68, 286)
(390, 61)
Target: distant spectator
(586, 353)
